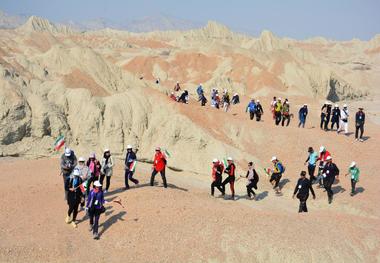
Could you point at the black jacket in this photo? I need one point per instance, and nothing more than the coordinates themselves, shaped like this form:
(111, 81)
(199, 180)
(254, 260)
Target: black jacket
(359, 118)
(303, 187)
(130, 157)
(330, 170)
(335, 114)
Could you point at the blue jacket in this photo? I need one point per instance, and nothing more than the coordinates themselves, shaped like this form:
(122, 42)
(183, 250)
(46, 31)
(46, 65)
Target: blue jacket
(302, 113)
(199, 90)
(130, 157)
(97, 198)
(251, 107)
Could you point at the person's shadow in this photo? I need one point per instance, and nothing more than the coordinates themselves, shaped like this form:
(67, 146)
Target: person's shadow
(365, 138)
(338, 189)
(177, 187)
(283, 183)
(359, 190)
(112, 220)
(261, 196)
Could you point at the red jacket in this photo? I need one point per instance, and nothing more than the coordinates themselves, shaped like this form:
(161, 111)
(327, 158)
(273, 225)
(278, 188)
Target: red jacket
(323, 156)
(215, 168)
(159, 162)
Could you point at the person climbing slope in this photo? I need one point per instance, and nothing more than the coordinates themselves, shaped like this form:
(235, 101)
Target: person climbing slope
(159, 164)
(259, 110)
(253, 179)
(275, 178)
(230, 170)
(302, 114)
(217, 171)
(251, 108)
(278, 111)
(285, 113)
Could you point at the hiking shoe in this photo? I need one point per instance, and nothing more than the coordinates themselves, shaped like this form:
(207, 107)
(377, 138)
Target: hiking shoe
(68, 220)
(96, 236)
(73, 224)
(105, 191)
(330, 200)
(361, 140)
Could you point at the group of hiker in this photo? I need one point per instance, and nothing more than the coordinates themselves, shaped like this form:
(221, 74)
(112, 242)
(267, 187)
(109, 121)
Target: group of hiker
(327, 174)
(281, 111)
(79, 174)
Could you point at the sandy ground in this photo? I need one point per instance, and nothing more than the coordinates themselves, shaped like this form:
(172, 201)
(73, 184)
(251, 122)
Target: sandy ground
(183, 223)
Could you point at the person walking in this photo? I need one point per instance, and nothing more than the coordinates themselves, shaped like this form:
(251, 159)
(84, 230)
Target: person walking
(259, 110)
(130, 159)
(200, 91)
(285, 113)
(335, 118)
(328, 115)
(344, 114)
(359, 125)
(85, 174)
(354, 171)
(177, 87)
(273, 106)
(159, 164)
(251, 108)
(68, 163)
(235, 99)
(94, 166)
(253, 179)
(302, 114)
(323, 115)
(226, 100)
(74, 197)
(330, 172)
(230, 170)
(217, 171)
(278, 111)
(275, 178)
(311, 162)
(303, 187)
(95, 206)
(323, 155)
(106, 169)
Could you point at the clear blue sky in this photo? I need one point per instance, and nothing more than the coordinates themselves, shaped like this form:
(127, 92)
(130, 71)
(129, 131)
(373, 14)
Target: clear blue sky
(300, 19)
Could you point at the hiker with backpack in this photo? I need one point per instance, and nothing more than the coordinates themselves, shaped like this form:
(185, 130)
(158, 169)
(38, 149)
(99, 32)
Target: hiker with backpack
(311, 162)
(74, 197)
(335, 118)
(251, 108)
(275, 178)
(217, 171)
(95, 207)
(68, 163)
(203, 100)
(106, 169)
(301, 190)
(278, 111)
(344, 114)
(184, 98)
(159, 164)
(253, 179)
(329, 173)
(226, 100)
(259, 110)
(200, 91)
(130, 159)
(354, 172)
(272, 107)
(235, 99)
(230, 170)
(302, 114)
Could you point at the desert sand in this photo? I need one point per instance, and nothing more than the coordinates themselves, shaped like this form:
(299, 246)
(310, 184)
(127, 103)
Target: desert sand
(98, 90)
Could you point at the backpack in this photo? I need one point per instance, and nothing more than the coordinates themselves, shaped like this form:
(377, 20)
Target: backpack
(281, 167)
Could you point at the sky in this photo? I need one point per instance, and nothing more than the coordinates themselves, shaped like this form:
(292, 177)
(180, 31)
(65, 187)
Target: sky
(299, 19)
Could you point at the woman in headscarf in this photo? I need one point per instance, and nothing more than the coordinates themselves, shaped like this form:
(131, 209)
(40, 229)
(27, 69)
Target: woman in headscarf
(107, 168)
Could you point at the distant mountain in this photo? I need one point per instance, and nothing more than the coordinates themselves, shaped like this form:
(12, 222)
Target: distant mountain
(11, 21)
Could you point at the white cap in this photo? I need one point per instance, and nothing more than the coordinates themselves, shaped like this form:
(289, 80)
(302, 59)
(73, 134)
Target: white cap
(258, 101)
(67, 152)
(353, 164)
(336, 105)
(158, 148)
(81, 159)
(279, 99)
(274, 158)
(326, 102)
(229, 159)
(345, 106)
(305, 104)
(92, 155)
(322, 148)
(177, 82)
(129, 146)
(287, 102)
(200, 84)
(328, 158)
(97, 184)
(235, 94)
(215, 160)
(106, 150)
(76, 172)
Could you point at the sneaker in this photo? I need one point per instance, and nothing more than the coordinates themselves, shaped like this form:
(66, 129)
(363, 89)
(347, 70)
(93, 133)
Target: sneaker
(361, 140)
(68, 220)
(96, 236)
(105, 191)
(330, 200)
(73, 224)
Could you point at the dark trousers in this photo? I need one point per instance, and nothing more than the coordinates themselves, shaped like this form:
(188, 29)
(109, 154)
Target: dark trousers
(258, 116)
(218, 185)
(333, 122)
(249, 188)
(323, 117)
(302, 123)
(108, 180)
(276, 177)
(94, 220)
(353, 186)
(73, 207)
(128, 175)
(327, 184)
(162, 175)
(311, 170)
(303, 206)
(251, 115)
(357, 128)
(66, 180)
(229, 180)
(285, 118)
(89, 182)
(278, 117)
